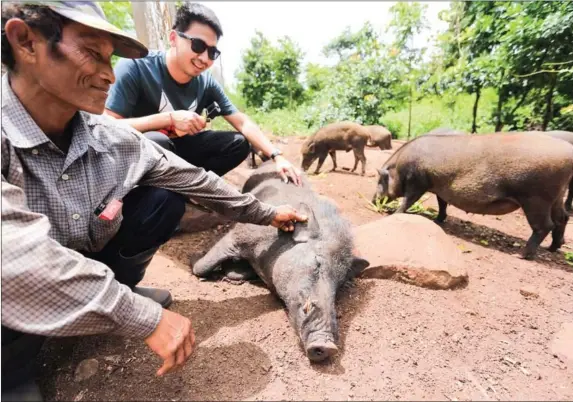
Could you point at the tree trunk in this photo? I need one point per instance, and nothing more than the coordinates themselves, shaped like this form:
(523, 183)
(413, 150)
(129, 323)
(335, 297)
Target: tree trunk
(498, 122)
(549, 102)
(410, 113)
(474, 123)
(500, 101)
(153, 21)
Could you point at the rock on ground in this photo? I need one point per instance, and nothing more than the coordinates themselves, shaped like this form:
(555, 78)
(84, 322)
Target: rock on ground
(411, 249)
(562, 344)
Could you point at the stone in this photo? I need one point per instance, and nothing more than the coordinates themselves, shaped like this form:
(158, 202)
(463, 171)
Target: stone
(562, 344)
(412, 249)
(86, 369)
(528, 292)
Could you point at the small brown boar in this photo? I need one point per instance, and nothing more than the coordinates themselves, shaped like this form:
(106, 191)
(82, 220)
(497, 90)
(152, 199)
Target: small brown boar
(379, 137)
(342, 136)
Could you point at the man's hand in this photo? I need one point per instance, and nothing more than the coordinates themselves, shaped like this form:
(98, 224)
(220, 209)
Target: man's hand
(173, 340)
(285, 218)
(186, 122)
(285, 169)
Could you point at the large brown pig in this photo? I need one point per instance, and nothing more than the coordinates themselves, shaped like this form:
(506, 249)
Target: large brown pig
(491, 174)
(379, 137)
(341, 136)
(565, 136)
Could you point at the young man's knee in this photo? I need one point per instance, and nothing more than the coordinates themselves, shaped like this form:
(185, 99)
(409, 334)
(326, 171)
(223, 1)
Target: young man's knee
(161, 139)
(241, 146)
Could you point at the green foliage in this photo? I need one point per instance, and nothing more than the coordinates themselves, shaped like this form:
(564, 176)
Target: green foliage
(118, 13)
(269, 78)
(499, 66)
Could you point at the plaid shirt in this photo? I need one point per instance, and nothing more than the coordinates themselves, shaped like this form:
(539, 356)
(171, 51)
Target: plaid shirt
(48, 203)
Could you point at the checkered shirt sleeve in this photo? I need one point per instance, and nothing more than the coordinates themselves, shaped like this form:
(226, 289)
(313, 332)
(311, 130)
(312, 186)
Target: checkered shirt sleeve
(51, 290)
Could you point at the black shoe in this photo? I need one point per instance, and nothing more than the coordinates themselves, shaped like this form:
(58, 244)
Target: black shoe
(160, 296)
(28, 391)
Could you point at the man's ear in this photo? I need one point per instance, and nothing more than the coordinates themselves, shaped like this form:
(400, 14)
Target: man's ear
(22, 39)
(172, 38)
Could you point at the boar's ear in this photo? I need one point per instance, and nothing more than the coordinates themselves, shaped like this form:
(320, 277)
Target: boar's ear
(359, 265)
(311, 147)
(303, 231)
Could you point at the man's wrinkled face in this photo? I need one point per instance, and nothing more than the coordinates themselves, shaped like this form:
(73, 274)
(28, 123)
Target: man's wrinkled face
(190, 62)
(79, 70)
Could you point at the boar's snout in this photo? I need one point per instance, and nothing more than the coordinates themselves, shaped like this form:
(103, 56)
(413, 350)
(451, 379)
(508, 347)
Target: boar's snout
(319, 351)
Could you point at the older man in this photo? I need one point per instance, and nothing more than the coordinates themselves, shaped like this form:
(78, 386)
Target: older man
(86, 200)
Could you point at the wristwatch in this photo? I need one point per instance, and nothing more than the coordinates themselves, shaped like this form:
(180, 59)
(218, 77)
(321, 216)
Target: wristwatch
(276, 153)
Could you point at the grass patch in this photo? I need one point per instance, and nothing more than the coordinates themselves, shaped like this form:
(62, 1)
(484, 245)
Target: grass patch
(569, 257)
(389, 207)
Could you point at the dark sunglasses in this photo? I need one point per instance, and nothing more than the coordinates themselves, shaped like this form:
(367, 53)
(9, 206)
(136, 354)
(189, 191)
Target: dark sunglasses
(199, 46)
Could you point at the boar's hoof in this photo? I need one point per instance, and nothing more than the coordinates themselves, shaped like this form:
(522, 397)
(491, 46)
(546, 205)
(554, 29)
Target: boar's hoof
(317, 352)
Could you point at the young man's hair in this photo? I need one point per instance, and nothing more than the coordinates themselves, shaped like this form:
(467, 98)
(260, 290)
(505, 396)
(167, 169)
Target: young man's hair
(194, 12)
(40, 18)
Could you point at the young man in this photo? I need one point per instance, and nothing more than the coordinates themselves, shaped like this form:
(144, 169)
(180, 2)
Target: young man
(163, 95)
(86, 201)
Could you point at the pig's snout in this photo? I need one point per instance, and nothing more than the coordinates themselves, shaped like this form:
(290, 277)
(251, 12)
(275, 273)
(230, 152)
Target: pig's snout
(319, 351)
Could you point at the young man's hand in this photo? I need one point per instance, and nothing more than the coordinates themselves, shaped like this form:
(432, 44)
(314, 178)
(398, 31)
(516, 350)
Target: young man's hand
(186, 122)
(285, 218)
(173, 340)
(286, 169)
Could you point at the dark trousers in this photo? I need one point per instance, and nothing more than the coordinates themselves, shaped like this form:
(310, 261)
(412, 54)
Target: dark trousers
(150, 217)
(216, 151)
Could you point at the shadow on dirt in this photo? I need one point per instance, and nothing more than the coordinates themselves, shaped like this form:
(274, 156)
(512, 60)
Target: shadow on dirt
(127, 367)
(496, 240)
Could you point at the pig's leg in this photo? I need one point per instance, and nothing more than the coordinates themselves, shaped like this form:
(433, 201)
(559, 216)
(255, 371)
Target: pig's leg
(410, 198)
(223, 250)
(332, 154)
(560, 219)
(321, 160)
(569, 199)
(359, 156)
(238, 271)
(442, 206)
(538, 214)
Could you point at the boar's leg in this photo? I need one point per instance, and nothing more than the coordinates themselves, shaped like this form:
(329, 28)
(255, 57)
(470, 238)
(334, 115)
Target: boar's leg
(359, 156)
(538, 214)
(409, 199)
(560, 219)
(332, 154)
(442, 206)
(569, 199)
(321, 160)
(238, 270)
(223, 250)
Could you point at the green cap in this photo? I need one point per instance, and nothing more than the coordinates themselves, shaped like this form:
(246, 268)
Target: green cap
(90, 14)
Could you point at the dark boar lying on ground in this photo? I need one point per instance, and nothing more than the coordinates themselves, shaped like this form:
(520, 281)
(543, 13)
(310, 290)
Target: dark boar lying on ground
(492, 174)
(379, 137)
(305, 268)
(565, 136)
(341, 136)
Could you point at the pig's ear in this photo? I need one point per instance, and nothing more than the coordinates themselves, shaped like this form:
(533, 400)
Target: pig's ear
(311, 147)
(303, 231)
(359, 265)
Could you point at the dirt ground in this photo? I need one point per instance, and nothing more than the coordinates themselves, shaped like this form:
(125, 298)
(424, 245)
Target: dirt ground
(486, 341)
